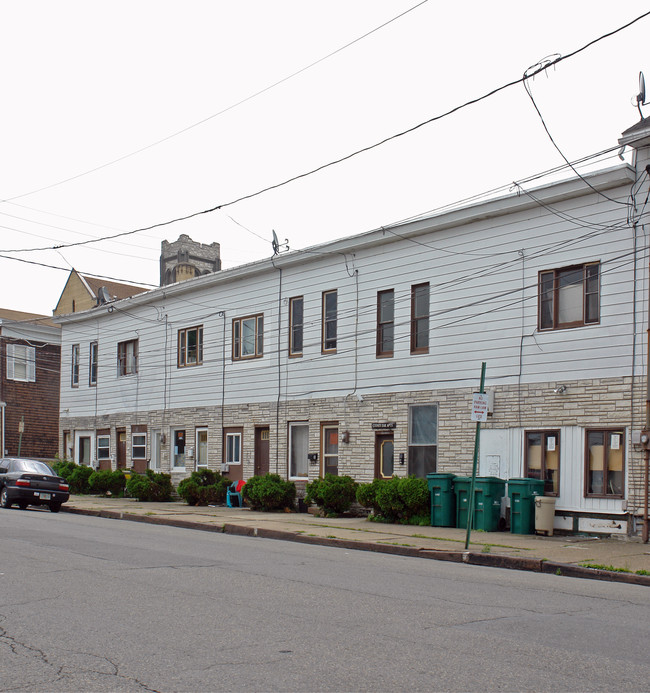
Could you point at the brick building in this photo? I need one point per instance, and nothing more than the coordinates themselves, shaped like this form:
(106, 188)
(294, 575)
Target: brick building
(30, 361)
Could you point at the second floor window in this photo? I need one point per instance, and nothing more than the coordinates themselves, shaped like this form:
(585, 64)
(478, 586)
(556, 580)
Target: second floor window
(127, 357)
(420, 319)
(75, 365)
(94, 356)
(296, 322)
(330, 311)
(248, 337)
(385, 322)
(569, 297)
(190, 346)
(21, 363)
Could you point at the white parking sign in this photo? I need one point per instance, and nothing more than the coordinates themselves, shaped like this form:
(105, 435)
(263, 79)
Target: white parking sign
(479, 406)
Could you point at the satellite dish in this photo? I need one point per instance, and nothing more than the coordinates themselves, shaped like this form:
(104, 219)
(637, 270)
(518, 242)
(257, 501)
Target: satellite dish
(275, 243)
(103, 296)
(640, 97)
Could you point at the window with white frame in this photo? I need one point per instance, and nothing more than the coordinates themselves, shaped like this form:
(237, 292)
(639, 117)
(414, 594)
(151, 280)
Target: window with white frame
(248, 337)
(232, 447)
(103, 447)
(75, 366)
(21, 363)
(298, 450)
(138, 446)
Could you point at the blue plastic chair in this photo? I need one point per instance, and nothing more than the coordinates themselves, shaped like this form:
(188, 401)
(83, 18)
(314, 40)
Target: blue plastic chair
(233, 493)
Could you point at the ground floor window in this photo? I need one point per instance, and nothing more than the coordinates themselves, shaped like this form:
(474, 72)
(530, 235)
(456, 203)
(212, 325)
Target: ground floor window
(103, 447)
(330, 448)
(179, 448)
(604, 462)
(423, 439)
(201, 447)
(232, 446)
(542, 459)
(298, 450)
(138, 445)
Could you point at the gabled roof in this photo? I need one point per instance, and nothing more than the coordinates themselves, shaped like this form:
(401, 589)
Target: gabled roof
(116, 289)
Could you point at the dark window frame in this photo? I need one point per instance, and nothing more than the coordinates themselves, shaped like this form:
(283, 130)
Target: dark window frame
(76, 366)
(607, 470)
(329, 322)
(385, 326)
(549, 296)
(183, 351)
(420, 321)
(543, 471)
(237, 327)
(127, 366)
(93, 361)
(296, 327)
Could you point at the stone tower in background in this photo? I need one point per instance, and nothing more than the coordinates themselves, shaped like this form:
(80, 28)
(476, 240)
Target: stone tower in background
(184, 259)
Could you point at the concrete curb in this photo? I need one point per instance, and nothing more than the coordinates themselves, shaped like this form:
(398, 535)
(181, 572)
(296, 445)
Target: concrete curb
(535, 565)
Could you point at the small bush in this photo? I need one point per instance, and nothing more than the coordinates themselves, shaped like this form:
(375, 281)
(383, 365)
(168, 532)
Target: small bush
(203, 487)
(105, 482)
(150, 487)
(332, 494)
(78, 479)
(269, 492)
(63, 468)
(403, 500)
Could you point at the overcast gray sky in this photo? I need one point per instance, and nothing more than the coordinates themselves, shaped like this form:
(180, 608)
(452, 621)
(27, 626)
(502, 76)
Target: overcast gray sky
(86, 83)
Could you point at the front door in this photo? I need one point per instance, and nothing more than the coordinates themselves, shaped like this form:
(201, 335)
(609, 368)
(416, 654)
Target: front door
(384, 456)
(121, 448)
(84, 450)
(330, 449)
(262, 436)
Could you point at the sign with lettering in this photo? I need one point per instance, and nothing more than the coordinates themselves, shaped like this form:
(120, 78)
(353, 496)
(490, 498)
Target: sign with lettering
(479, 406)
(384, 426)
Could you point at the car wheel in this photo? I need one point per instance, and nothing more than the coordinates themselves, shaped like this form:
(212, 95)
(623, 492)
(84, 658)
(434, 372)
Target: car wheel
(55, 507)
(4, 498)
(22, 505)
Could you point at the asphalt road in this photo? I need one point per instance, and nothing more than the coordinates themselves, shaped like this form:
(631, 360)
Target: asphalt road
(90, 604)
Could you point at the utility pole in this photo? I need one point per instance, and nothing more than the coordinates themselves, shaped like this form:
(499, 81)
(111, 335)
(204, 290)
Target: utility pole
(478, 418)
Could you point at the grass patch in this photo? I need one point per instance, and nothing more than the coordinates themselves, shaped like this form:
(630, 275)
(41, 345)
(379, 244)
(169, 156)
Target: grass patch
(600, 566)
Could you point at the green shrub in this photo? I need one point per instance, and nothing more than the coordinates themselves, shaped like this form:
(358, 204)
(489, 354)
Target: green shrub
(404, 500)
(150, 487)
(105, 482)
(332, 494)
(78, 479)
(203, 487)
(64, 468)
(269, 492)
(367, 495)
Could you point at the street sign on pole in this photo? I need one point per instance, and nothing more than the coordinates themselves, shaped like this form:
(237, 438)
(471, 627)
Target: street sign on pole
(480, 407)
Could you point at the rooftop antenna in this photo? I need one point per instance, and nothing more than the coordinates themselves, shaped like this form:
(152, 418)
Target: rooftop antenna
(640, 97)
(277, 246)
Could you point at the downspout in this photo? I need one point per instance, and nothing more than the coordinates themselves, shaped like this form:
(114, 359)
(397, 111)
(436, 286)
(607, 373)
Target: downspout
(646, 465)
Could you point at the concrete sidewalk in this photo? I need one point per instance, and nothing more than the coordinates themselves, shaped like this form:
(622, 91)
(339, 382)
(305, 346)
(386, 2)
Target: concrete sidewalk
(562, 555)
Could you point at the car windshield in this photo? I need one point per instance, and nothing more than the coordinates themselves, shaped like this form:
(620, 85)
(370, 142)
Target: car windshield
(32, 466)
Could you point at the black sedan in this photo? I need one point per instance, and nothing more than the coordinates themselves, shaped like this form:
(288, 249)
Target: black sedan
(26, 482)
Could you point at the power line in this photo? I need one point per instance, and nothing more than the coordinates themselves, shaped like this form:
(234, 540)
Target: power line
(221, 112)
(528, 75)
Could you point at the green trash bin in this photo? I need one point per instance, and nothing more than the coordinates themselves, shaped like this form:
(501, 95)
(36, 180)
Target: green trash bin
(443, 500)
(522, 494)
(462, 485)
(489, 490)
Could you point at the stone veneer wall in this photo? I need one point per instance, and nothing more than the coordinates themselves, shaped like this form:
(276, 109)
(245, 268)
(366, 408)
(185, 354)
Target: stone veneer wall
(605, 402)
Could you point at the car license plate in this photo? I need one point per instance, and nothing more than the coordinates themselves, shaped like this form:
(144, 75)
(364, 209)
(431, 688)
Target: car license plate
(44, 496)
